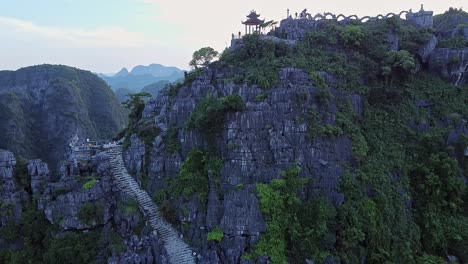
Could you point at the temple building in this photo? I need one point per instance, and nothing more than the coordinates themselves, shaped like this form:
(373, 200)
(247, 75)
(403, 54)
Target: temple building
(422, 18)
(252, 24)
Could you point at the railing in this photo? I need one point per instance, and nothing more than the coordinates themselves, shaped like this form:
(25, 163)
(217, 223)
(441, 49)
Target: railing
(341, 17)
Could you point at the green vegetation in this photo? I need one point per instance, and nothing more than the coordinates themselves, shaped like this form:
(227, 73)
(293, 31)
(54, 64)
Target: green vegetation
(202, 57)
(454, 43)
(195, 173)
(47, 243)
(438, 192)
(215, 235)
(349, 53)
(208, 116)
(417, 158)
(352, 35)
(90, 213)
(116, 244)
(44, 244)
(136, 105)
(147, 132)
(89, 184)
(405, 199)
(73, 248)
(392, 164)
(128, 207)
(171, 140)
(296, 230)
(398, 64)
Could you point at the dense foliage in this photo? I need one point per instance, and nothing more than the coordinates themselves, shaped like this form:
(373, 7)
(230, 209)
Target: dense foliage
(405, 198)
(215, 234)
(297, 230)
(209, 114)
(198, 170)
(202, 57)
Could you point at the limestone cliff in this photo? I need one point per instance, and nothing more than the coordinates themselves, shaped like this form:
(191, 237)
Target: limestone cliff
(42, 107)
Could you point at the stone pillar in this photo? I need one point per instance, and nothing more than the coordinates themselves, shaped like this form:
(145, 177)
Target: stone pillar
(39, 172)
(422, 18)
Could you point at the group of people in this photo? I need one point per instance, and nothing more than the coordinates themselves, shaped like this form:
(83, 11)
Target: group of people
(303, 14)
(239, 35)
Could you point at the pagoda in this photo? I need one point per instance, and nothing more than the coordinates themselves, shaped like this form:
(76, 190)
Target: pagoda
(252, 24)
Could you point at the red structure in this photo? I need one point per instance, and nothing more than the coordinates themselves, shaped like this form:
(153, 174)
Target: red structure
(252, 24)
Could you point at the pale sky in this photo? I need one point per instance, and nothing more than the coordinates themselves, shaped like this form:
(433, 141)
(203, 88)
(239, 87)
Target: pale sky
(106, 35)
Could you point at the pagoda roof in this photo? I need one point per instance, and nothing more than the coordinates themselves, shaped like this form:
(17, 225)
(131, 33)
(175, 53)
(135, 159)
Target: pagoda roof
(253, 14)
(252, 19)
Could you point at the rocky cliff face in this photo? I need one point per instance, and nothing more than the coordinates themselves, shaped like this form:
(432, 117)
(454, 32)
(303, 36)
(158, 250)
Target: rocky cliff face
(42, 107)
(270, 135)
(451, 64)
(72, 205)
(11, 195)
(12, 198)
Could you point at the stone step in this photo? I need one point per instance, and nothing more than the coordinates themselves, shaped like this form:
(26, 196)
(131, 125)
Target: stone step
(177, 249)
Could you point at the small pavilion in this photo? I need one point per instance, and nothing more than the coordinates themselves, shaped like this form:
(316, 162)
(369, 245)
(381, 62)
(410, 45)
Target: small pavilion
(252, 24)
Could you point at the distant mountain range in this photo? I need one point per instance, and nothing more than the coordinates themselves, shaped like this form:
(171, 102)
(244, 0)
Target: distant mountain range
(141, 76)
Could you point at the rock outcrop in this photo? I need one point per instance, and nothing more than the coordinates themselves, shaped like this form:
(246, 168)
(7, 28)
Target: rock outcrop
(270, 135)
(451, 64)
(43, 107)
(12, 197)
(10, 193)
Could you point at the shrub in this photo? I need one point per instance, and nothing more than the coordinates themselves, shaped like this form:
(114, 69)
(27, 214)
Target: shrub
(128, 207)
(90, 212)
(169, 212)
(171, 140)
(72, 248)
(296, 230)
(438, 191)
(352, 35)
(454, 43)
(208, 115)
(136, 104)
(89, 184)
(215, 235)
(116, 243)
(147, 132)
(193, 175)
(399, 64)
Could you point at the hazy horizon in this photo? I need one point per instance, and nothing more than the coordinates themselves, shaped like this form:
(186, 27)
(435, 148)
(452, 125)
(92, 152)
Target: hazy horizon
(106, 36)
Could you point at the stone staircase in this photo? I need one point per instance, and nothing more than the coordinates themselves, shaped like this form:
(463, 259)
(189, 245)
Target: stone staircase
(178, 251)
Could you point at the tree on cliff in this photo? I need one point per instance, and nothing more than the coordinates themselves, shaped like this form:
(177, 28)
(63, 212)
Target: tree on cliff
(136, 104)
(399, 65)
(202, 57)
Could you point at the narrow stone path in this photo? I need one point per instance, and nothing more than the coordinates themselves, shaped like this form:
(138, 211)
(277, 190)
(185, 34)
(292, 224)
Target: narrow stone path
(178, 251)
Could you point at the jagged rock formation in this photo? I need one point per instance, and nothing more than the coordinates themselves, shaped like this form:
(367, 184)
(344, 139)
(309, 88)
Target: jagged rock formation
(448, 62)
(42, 107)
(11, 197)
(176, 248)
(451, 64)
(62, 203)
(255, 144)
(365, 152)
